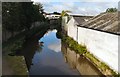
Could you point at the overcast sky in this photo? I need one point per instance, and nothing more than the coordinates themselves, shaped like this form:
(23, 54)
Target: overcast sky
(80, 7)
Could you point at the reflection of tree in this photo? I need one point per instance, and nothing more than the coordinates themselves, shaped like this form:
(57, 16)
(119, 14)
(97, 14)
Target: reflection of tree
(58, 34)
(40, 48)
(29, 49)
(29, 52)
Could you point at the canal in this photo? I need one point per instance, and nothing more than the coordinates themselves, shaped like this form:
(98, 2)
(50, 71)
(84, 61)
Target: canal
(50, 56)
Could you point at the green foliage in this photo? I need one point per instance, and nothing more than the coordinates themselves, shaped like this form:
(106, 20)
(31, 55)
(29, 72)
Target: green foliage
(38, 11)
(65, 13)
(33, 31)
(101, 65)
(18, 16)
(16, 43)
(111, 10)
(74, 45)
(10, 17)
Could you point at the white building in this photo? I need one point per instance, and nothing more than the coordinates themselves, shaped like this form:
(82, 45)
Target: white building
(100, 35)
(52, 16)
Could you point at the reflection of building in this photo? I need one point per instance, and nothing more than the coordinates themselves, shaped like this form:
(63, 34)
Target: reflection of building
(79, 62)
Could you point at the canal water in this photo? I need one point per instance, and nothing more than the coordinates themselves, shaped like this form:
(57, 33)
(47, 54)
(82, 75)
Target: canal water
(48, 59)
(50, 56)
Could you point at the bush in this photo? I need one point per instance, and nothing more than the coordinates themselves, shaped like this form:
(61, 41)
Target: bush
(73, 45)
(111, 10)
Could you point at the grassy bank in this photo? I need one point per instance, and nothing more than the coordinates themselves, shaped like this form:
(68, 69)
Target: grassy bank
(17, 63)
(82, 50)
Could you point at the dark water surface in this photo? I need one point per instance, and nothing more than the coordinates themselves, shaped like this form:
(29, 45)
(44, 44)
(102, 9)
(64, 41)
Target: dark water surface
(53, 57)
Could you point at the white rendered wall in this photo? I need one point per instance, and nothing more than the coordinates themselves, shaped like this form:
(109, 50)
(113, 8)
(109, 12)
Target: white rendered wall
(101, 44)
(72, 29)
(64, 22)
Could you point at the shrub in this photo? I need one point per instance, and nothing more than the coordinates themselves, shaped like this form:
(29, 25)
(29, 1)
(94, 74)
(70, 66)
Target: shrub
(73, 45)
(111, 10)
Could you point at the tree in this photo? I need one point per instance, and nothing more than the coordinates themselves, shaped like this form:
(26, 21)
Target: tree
(40, 6)
(65, 13)
(10, 17)
(56, 13)
(20, 15)
(38, 12)
(111, 10)
(27, 13)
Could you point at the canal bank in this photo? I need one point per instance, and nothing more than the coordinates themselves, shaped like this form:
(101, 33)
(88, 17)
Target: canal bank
(13, 62)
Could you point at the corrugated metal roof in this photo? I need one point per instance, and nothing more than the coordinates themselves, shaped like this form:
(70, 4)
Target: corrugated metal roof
(105, 22)
(81, 19)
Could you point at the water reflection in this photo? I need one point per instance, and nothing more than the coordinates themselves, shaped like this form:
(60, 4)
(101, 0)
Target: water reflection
(79, 62)
(30, 48)
(53, 57)
(29, 52)
(48, 59)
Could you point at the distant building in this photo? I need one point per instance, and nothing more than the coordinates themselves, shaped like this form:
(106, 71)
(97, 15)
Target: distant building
(73, 21)
(50, 16)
